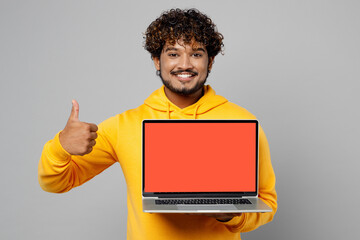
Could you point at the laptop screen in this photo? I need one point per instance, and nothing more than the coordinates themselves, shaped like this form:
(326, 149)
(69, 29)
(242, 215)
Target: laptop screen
(200, 156)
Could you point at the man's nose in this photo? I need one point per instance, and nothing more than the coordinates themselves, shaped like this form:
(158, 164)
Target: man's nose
(185, 62)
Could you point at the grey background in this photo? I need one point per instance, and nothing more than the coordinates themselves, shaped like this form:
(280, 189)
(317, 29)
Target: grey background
(294, 64)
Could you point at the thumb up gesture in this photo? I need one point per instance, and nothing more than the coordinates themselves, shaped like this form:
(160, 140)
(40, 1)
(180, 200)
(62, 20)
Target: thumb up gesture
(78, 138)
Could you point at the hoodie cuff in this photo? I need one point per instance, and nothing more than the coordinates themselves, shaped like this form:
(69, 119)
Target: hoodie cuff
(57, 151)
(236, 223)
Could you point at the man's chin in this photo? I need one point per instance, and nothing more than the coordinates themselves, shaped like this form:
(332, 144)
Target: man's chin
(184, 91)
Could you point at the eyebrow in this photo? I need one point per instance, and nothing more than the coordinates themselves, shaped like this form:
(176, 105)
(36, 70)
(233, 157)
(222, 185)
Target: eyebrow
(170, 49)
(199, 49)
(176, 49)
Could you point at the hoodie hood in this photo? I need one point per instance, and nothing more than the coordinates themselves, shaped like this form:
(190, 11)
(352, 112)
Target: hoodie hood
(159, 102)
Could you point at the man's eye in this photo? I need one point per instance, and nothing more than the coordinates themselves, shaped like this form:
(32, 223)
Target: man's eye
(172, 54)
(197, 55)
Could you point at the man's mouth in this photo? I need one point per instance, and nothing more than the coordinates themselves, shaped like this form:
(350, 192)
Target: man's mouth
(184, 75)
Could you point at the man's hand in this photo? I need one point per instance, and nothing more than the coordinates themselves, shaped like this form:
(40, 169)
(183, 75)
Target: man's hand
(224, 217)
(78, 138)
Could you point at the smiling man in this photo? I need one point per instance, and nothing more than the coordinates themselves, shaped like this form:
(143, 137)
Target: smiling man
(183, 45)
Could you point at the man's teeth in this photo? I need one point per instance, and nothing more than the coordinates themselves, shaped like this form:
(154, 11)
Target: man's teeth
(184, 75)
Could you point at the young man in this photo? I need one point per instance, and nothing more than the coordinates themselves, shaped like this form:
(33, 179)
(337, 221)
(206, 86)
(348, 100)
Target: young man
(183, 44)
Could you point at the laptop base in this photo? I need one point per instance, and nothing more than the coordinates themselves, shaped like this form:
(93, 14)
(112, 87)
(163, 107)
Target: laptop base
(257, 205)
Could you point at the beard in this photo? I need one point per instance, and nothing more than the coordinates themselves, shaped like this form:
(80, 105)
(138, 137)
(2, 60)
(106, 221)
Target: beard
(183, 90)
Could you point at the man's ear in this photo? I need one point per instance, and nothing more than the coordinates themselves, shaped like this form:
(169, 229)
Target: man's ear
(156, 61)
(211, 62)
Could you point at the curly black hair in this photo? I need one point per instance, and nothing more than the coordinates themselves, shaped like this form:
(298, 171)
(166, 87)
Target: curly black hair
(187, 25)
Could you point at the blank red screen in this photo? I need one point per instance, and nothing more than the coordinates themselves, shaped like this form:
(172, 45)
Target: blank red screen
(200, 157)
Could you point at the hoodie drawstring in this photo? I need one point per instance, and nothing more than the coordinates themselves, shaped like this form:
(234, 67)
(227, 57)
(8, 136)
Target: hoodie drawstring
(195, 112)
(168, 110)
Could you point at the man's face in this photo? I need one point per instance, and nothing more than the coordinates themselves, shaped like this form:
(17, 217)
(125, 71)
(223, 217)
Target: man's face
(183, 68)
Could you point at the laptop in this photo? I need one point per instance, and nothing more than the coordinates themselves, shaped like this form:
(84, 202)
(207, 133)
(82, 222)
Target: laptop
(200, 166)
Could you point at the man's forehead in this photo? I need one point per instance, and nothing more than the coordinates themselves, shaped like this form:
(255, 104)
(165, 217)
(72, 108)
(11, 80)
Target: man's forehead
(194, 45)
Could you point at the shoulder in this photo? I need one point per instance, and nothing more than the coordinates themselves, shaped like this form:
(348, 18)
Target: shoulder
(123, 120)
(232, 110)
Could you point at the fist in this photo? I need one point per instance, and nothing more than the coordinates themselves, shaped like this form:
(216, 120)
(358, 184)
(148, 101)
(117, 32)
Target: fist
(78, 138)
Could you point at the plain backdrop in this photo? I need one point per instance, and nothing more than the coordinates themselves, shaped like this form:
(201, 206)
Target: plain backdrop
(294, 64)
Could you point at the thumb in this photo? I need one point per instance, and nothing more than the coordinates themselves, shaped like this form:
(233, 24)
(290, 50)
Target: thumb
(74, 115)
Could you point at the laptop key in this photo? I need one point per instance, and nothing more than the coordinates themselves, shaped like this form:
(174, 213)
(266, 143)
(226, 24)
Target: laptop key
(202, 201)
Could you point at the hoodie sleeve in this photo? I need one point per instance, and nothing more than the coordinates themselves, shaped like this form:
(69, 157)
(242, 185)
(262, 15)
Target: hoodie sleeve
(250, 221)
(59, 172)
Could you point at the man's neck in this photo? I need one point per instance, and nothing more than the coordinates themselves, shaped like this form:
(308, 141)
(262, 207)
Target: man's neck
(183, 101)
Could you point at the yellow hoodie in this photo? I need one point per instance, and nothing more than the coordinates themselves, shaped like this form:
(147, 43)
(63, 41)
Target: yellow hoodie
(119, 140)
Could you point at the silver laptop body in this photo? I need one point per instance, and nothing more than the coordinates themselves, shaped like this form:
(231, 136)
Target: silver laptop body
(200, 166)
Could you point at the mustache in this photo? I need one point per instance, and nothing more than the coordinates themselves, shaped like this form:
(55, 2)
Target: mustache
(182, 71)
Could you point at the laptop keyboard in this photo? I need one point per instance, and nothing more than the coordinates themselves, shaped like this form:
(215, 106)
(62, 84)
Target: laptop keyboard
(202, 201)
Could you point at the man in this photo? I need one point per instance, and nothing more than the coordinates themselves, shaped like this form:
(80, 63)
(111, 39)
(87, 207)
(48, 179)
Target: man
(183, 45)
